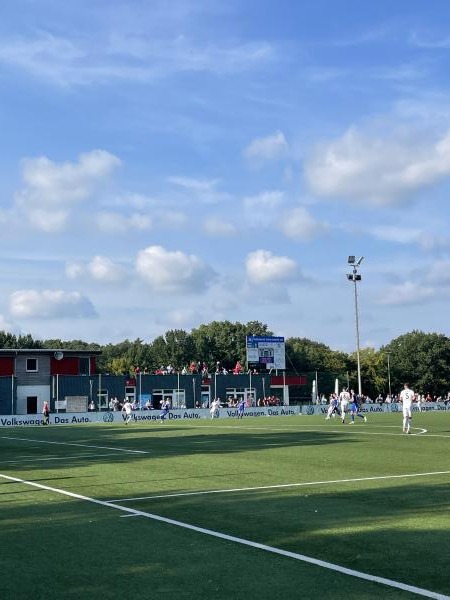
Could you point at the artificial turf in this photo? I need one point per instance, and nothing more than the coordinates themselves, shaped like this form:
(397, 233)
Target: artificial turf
(55, 546)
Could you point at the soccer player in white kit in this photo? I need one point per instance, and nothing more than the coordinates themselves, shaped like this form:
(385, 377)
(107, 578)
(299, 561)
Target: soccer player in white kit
(344, 399)
(128, 409)
(406, 398)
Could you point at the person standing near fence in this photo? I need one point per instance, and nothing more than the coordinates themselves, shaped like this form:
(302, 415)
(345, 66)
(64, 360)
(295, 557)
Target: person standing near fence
(46, 413)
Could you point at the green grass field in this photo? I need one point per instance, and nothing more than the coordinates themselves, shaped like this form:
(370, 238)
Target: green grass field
(312, 488)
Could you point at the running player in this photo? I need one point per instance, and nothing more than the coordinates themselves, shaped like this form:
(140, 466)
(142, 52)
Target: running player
(128, 410)
(333, 408)
(406, 398)
(215, 408)
(355, 409)
(165, 406)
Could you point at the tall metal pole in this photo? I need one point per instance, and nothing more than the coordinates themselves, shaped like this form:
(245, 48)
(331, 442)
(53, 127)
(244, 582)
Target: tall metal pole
(357, 331)
(389, 373)
(355, 277)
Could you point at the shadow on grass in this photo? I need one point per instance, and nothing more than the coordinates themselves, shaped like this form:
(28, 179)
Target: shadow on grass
(88, 551)
(169, 445)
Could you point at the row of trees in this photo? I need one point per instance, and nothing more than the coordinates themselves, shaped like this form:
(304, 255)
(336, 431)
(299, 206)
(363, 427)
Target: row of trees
(422, 359)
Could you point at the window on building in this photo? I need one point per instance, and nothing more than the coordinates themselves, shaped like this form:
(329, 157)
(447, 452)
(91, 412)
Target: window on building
(177, 398)
(32, 365)
(206, 396)
(84, 366)
(130, 393)
(102, 399)
(234, 395)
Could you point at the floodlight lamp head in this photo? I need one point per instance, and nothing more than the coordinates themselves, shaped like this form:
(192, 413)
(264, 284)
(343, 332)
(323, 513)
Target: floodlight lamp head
(351, 260)
(359, 261)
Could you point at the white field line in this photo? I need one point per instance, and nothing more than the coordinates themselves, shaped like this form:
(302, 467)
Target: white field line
(280, 486)
(231, 538)
(4, 437)
(299, 428)
(27, 460)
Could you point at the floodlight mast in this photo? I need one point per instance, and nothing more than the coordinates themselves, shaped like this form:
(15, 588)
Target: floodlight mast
(355, 277)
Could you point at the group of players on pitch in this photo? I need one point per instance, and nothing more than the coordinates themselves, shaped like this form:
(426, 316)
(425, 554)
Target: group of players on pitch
(349, 403)
(346, 402)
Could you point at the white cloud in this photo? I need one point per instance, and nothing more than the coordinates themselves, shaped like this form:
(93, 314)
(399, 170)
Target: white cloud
(407, 293)
(272, 147)
(50, 304)
(439, 273)
(173, 271)
(374, 169)
(52, 189)
(264, 267)
(118, 57)
(204, 190)
(428, 42)
(130, 200)
(196, 185)
(272, 292)
(401, 235)
(300, 225)
(100, 268)
(6, 325)
(171, 218)
(427, 240)
(184, 318)
(219, 228)
(75, 269)
(115, 222)
(261, 210)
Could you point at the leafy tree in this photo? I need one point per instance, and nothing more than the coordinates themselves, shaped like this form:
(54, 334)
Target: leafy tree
(421, 359)
(306, 355)
(225, 342)
(180, 348)
(373, 377)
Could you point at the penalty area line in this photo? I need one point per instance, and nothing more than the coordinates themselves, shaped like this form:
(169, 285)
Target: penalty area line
(4, 437)
(280, 486)
(231, 538)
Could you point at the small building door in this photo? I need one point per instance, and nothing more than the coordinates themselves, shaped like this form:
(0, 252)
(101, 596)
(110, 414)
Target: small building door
(32, 405)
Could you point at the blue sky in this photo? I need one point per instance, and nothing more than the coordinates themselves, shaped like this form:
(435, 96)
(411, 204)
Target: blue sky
(168, 163)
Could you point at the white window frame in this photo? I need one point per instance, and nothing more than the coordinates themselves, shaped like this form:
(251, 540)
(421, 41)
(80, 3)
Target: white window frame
(240, 393)
(32, 370)
(177, 397)
(102, 398)
(130, 393)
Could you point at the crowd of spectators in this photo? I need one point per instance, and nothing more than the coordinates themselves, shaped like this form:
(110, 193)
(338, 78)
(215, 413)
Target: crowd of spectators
(193, 368)
(268, 401)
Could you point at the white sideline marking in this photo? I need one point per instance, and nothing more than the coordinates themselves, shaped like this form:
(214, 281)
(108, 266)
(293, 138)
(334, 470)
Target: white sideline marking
(318, 428)
(243, 542)
(282, 485)
(27, 460)
(4, 437)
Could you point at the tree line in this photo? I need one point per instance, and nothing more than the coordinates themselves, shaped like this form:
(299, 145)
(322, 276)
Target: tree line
(422, 359)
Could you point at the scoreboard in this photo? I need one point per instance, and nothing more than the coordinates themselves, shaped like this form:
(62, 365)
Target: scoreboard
(266, 351)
